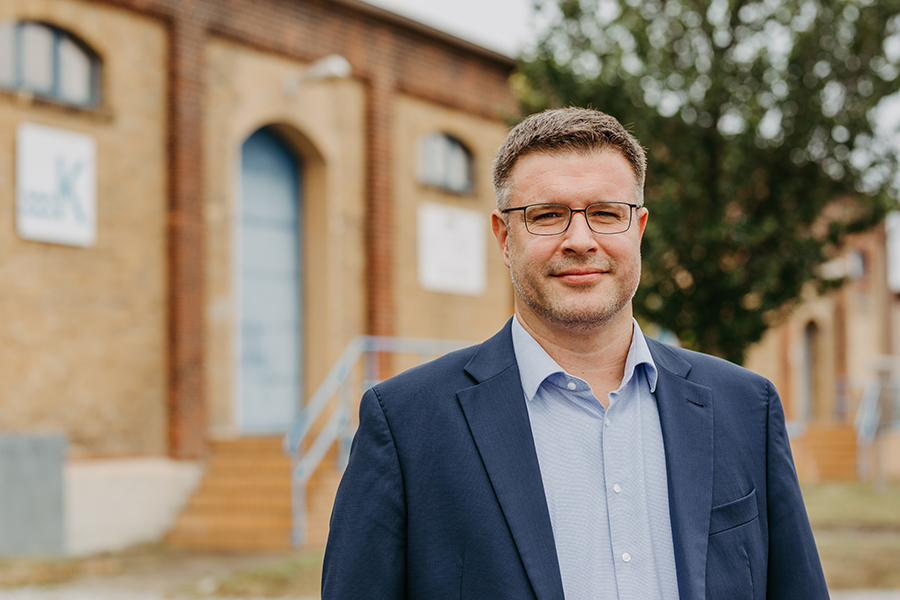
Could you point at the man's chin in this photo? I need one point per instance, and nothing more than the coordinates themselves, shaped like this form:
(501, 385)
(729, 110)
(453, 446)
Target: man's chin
(581, 318)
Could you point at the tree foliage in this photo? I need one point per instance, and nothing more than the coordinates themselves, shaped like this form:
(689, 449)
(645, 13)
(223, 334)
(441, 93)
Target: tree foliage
(762, 153)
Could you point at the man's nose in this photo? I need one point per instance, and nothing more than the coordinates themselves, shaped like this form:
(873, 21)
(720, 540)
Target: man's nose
(579, 237)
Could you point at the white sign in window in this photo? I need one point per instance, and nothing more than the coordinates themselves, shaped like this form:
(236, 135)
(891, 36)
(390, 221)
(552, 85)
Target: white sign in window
(56, 186)
(452, 250)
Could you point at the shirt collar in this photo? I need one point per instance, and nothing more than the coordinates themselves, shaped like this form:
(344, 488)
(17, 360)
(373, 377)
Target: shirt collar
(639, 354)
(535, 365)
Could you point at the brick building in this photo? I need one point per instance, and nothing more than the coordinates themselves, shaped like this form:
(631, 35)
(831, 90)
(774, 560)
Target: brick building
(201, 204)
(835, 359)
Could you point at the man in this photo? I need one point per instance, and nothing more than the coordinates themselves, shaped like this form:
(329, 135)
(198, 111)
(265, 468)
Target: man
(569, 456)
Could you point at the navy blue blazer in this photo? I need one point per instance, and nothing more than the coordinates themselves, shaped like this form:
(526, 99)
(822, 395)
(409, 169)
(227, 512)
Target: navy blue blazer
(443, 497)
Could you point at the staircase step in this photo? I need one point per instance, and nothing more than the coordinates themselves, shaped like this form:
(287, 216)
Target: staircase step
(248, 522)
(215, 503)
(234, 485)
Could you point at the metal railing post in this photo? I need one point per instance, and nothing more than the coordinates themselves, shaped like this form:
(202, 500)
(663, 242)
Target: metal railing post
(305, 457)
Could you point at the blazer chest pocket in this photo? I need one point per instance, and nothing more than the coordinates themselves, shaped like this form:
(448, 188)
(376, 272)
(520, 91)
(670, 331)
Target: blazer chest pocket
(733, 514)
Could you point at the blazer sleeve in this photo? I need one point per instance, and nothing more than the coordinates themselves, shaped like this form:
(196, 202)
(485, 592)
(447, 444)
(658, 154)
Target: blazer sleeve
(366, 552)
(794, 570)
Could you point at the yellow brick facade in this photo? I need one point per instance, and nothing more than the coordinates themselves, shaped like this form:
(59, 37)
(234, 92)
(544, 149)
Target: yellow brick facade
(86, 333)
(82, 330)
(429, 314)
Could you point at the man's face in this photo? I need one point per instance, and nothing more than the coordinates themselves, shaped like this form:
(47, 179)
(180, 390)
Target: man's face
(578, 279)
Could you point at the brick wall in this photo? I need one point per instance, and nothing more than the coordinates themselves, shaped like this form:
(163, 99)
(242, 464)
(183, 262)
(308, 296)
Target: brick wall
(83, 330)
(390, 54)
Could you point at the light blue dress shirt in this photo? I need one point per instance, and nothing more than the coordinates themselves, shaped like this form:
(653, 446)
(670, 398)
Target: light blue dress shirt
(604, 475)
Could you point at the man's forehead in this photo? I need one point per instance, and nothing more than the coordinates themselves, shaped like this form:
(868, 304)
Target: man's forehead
(569, 152)
(565, 153)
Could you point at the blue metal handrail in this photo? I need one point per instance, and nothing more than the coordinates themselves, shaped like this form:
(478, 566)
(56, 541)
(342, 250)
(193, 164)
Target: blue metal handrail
(868, 415)
(878, 411)
(338, 383)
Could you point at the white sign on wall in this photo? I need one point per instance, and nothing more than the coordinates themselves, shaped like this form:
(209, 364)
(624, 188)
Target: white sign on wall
(56, 185)
(892, 227)
(452, 250)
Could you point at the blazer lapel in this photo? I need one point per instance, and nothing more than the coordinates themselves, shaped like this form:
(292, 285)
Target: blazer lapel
(686, 418)
(498, 419)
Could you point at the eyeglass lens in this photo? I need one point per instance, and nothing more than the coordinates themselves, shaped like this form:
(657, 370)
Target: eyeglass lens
(603, 217)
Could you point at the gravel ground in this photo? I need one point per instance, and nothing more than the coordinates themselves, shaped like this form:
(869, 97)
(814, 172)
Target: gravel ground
(143, 573)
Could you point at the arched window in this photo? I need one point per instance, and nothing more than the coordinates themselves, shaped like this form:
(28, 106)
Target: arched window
(446, 163)
(48, 62)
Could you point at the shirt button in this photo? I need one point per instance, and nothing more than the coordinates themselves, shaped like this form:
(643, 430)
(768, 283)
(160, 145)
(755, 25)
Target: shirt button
(617, 488)
(571, 385)
(607, 422)
(626, 557)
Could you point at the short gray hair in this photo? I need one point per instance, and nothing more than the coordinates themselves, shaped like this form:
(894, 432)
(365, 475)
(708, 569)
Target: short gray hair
(563, 130)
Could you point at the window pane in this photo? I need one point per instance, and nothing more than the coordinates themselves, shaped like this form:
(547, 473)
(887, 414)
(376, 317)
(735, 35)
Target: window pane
(431, 160)
(444, 162)
(37, 63)
(7, 54)
(457, 177)
(74, 73)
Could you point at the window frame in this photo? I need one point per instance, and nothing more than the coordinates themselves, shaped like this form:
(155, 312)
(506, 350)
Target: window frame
(55, 93)
(444, 180)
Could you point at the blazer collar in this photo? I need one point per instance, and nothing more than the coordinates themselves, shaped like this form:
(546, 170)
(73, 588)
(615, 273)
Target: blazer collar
(498, 419)
(686, 419)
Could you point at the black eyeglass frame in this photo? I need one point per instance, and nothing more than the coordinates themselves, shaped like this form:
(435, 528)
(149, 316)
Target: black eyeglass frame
(571, 210)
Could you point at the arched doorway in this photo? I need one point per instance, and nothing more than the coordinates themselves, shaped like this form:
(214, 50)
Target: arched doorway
(812, 392)
(270, 327)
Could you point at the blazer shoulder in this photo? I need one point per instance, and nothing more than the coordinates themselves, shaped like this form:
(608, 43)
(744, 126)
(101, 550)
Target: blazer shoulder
(440, 373)
(455, 370)
(700, 367)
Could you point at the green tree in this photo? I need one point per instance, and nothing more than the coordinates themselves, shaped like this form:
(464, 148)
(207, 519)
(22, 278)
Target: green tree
(762, 153)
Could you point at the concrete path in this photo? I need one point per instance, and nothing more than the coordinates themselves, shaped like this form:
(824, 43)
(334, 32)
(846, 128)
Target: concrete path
(92, 593)
(866, 595)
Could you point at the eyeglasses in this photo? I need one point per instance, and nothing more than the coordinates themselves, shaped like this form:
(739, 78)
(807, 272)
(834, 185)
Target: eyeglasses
(554, 219)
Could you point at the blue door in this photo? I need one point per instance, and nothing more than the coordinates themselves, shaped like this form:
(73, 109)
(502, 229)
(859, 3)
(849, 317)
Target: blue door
(270, 329)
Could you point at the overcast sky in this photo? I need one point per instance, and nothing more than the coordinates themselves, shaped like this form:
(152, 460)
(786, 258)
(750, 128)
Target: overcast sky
(502, 25)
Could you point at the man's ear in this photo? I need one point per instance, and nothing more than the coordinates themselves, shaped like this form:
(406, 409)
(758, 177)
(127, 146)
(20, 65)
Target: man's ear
(643, 213)
(501, 232)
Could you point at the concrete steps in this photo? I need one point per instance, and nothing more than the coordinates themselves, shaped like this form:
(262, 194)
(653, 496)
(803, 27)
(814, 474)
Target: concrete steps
(244, 500)
(826, 452)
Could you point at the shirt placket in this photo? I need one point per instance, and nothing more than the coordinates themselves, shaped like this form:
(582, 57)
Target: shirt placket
(621, 452)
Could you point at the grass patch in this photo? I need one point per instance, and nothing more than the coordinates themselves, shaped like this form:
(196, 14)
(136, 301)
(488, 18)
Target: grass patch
(859, 560)
(300, 576)
(857, 531)
(17, 572)
(852, 505)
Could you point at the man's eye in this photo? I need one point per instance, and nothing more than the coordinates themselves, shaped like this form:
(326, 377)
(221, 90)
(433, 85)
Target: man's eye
(549, 214)
(605, 213)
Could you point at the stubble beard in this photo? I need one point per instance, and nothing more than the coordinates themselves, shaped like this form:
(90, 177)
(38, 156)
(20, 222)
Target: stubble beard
(581, 316)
